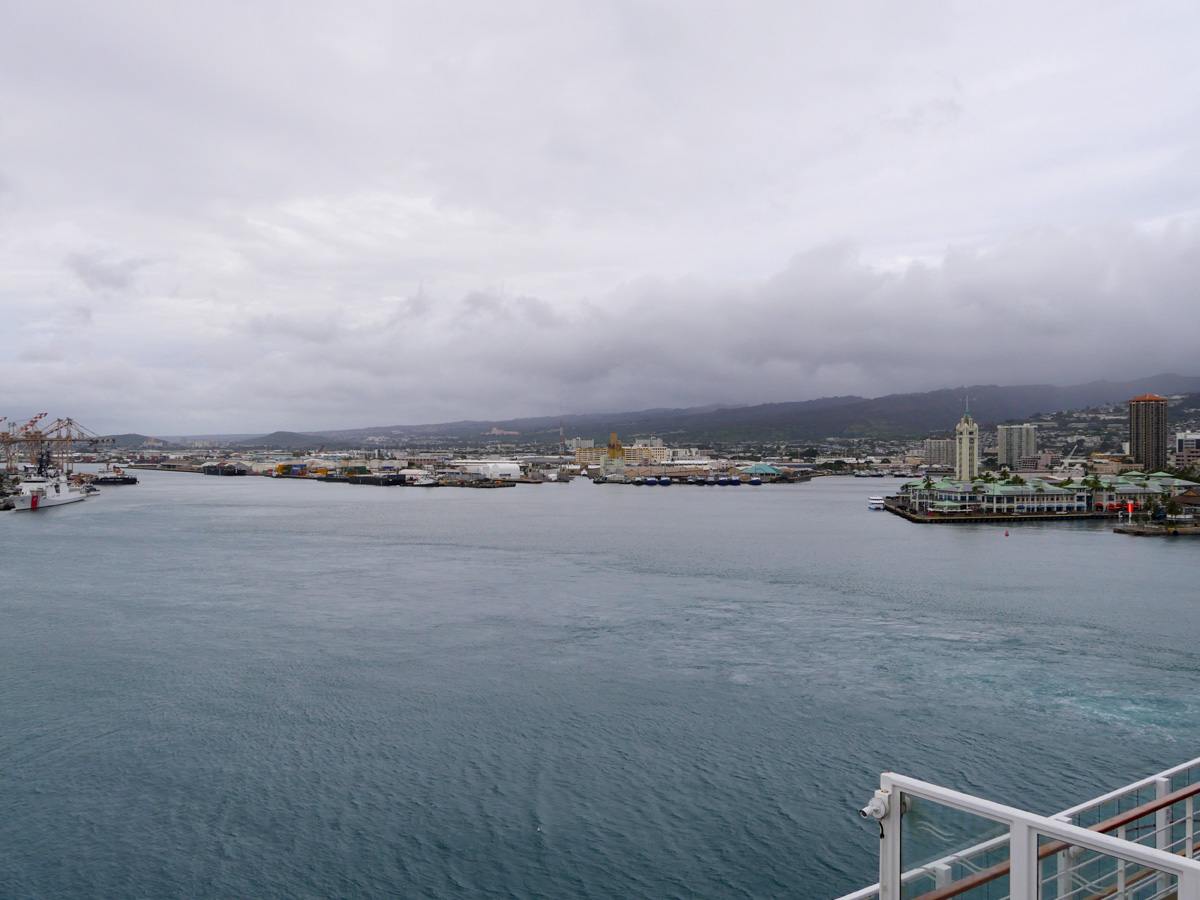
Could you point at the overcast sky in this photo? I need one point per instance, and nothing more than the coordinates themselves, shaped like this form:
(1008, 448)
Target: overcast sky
(231, 216)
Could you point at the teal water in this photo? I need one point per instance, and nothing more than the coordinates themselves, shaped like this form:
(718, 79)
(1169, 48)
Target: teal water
(215, 688)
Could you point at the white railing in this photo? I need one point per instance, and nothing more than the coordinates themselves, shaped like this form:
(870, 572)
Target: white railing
(1143, 853)
(867, 893)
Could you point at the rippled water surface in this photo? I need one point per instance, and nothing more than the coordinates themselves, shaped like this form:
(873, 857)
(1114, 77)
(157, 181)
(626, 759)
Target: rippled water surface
(215, 688)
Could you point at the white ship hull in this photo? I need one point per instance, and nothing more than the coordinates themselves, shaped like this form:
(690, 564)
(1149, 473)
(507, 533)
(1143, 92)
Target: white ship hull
(36, 496)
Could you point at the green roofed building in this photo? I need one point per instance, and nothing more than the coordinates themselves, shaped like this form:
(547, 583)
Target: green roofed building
(1043, 496)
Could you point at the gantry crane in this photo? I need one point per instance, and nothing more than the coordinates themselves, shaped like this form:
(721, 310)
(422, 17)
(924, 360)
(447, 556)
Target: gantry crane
(44, 447)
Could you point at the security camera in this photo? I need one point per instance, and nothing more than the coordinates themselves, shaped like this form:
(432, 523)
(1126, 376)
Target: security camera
(877, 808)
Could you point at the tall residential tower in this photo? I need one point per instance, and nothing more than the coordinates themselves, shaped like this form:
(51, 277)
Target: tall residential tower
(1013, 442)
(1148, 431)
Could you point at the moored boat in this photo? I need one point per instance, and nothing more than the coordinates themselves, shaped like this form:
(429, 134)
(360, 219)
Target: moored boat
(42, 494)
(111, 478)
(112, 475)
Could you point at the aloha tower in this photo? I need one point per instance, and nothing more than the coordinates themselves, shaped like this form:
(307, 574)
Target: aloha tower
(966, 449)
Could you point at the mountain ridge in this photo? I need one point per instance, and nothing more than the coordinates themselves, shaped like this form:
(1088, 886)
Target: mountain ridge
(890, 416)
(893, 416)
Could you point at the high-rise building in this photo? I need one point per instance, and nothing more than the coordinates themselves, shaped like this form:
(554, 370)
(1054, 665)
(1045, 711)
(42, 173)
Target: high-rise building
(1013, 442)
(1187, 449)
(939, 452)
(1148, 431)
(966, 449)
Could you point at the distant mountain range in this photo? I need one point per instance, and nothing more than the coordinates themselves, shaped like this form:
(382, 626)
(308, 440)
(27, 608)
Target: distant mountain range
(893, 416)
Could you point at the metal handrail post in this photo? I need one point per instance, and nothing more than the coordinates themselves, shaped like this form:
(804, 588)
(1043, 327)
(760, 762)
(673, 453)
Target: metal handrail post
(1188, 885)
(1022, 856)
(1162, 826)
(1066, 874)
(889, 842)
(1189, 810)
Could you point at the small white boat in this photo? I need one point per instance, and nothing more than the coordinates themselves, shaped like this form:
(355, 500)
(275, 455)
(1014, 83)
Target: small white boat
(874, 503)
(37, 495)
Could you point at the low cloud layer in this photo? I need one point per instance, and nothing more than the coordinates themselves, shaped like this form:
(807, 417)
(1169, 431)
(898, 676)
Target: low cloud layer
(299, 218)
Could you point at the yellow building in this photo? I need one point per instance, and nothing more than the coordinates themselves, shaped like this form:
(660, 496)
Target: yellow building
(616, 452)
(587, 457)
(652, 455)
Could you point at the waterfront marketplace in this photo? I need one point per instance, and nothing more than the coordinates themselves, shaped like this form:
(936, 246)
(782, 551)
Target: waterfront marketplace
(989, 499)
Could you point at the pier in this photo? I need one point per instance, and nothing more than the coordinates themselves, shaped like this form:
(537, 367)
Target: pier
(1153, 530)
(931, 517)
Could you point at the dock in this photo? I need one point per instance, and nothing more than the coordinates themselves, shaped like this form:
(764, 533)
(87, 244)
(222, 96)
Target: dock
(1151, 530)
(929, 517)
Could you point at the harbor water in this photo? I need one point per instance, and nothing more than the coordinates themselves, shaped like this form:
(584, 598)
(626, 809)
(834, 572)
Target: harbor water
(246, 687)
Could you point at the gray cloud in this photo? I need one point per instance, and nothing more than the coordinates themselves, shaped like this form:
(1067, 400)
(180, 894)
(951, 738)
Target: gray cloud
(942, 112)
(316, 330)
(103, 275)
(427, 212)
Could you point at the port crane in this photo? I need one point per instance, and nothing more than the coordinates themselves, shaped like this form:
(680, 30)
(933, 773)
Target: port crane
(44, 447)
